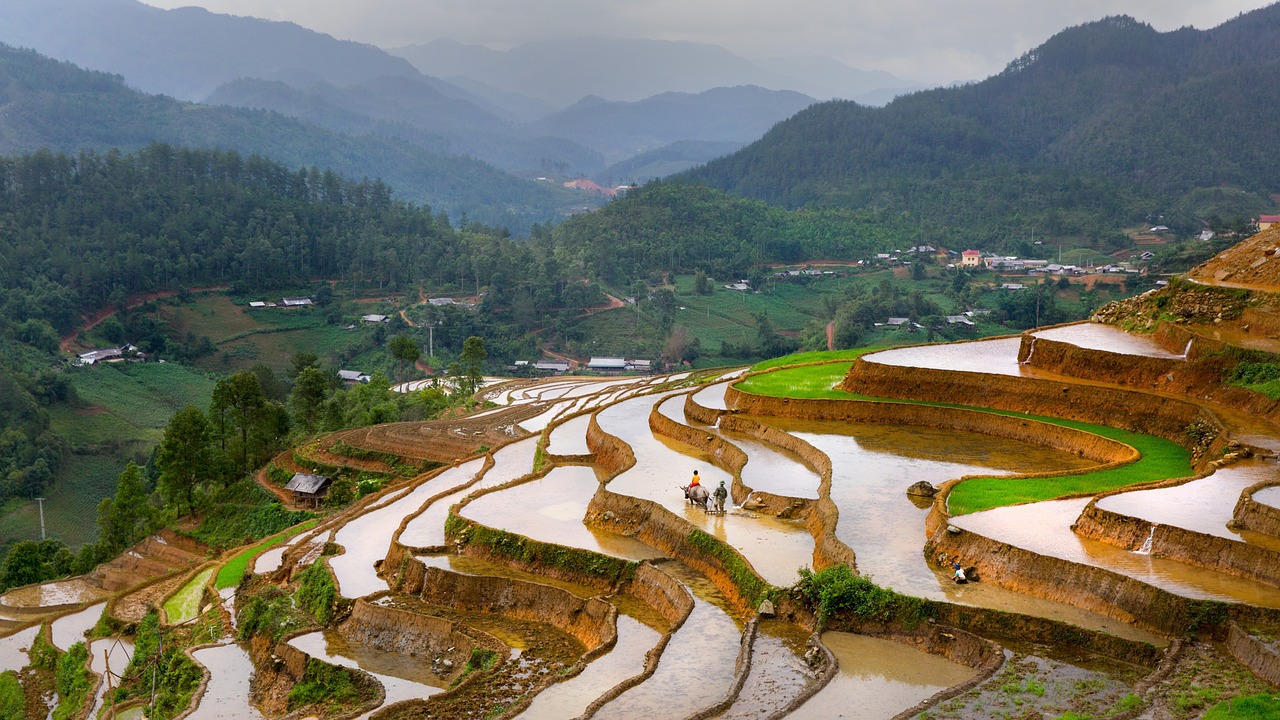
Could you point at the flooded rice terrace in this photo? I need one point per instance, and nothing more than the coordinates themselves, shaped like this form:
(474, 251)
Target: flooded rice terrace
(681, 646)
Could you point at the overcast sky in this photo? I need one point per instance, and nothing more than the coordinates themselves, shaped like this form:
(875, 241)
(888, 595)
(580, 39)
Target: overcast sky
(930, 41)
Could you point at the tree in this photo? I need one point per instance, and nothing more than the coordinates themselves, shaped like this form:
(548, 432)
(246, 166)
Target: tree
(404, 350)
(310, 390)
(472, 361)
(185, 454)
(237, 401)
(128, 517)
(701, 283)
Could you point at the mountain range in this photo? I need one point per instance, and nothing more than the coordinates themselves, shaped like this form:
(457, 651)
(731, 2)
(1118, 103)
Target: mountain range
(1102, 125)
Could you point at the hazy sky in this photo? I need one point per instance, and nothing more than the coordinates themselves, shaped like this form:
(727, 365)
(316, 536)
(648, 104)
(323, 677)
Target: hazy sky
(932, 41)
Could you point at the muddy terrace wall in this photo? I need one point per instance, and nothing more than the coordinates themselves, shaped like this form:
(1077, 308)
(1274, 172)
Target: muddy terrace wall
(658, 527)
(413, 634)
(1084, 586)
(724, 454)
(1084, 444)
(1187, 546)
(1255, 655)
(700, 413)
(661, 592)
(1249, 514)
(1131, 410)
(821, 515)
(1091, 364)
(1015, 627)
(591, 621)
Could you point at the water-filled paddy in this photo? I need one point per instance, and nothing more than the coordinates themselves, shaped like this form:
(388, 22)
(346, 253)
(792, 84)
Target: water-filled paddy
(995, 357)
(1096, 336)
(366, 538)
(403, 677)
(551, 509)
(70, 629)
(227, 696)
(697, 667)
(1206, 505)
(426, 530)
(1045, 528)
(775, 548)
(184, 605)
(879, 679)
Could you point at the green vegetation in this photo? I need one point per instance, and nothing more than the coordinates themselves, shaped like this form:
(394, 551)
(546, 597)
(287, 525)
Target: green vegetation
(73, 682)
(1161, 459)
(267, 610)
(326, 684)
(184, 605)
(243, 512)
(1258, 376)
(837, 589)
(13, 703)
(162, 666)
(231, 572)
(481, 660)
(1251, 707)
(317, 592)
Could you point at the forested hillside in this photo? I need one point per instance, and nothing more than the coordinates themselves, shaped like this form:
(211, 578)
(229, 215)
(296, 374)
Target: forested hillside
(54, 105)
(90, 231)
(1104, 125)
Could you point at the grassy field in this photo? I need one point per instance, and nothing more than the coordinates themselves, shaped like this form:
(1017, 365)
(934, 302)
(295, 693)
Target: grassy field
(1161, 459)
(245, 337)
(127, 407)
(1252, 707)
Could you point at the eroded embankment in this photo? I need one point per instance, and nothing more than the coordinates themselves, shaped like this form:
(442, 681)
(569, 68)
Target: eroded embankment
(414, 634)
(1141, 412)
(1249, 514)
(1074, 361)
(1232, 557)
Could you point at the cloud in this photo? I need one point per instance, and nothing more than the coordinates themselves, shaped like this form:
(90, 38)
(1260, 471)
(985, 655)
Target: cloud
(926, 40)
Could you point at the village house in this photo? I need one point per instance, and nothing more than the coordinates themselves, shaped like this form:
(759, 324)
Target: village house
(374, 318)
(109, 354)
(296, 302)
(307, 488)
(607, 364)
(970, 258)
(552, 366)
(353, 376)
(1266, 221)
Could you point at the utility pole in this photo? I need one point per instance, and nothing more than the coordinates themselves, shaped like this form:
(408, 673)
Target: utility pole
(431, 340)
(41, 501)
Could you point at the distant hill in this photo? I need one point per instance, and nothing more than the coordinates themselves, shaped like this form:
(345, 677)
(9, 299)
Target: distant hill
(412, 110)
(55, 105)
(667, 160)
(1101, 126)
(620, 130)
(561, 72)
(188, 52)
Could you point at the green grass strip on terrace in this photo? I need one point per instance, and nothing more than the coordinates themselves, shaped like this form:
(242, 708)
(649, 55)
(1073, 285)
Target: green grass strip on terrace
(230, 573)
(185, 604)
(1161, 459)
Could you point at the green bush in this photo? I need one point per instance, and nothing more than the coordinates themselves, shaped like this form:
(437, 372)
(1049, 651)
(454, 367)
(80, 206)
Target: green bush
(73, 681)
(13, 703)
(837, 589)
(268, 613)
(323, 683)
(317, 593)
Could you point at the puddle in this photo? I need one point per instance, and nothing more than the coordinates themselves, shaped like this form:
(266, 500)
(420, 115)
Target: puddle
(184, 605)
(1095, 336)
(1045, 528)
(697, 667)
(1204, 505)
(570, 437)
(70, 629)
(551, 510)
(403, 677)
(879, 679)
(512, 461)
(778, 675)
(570, 698)
(365, 539)
(776, 548)
(227, 695)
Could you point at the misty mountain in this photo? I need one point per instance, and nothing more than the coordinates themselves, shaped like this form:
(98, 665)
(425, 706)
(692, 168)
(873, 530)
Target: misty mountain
(55, 105)
(1099, 126)
(563, 71)
(412, 110)
(186, 53)
(619, 130)
(667, 160)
